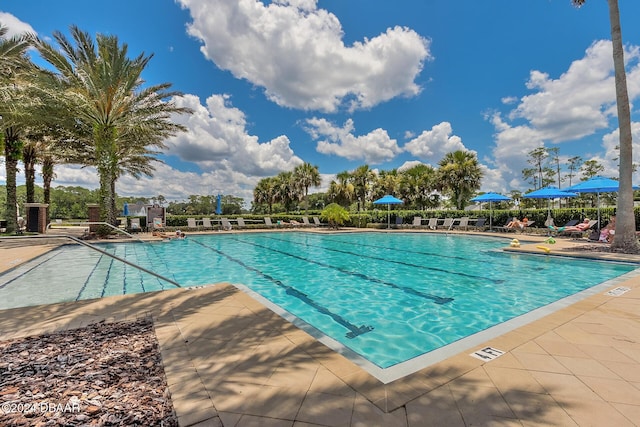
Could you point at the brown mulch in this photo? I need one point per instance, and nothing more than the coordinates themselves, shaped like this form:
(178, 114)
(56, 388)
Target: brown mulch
(106, 374)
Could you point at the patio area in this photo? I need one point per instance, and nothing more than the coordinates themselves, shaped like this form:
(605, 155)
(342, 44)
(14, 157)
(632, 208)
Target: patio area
(231, 361)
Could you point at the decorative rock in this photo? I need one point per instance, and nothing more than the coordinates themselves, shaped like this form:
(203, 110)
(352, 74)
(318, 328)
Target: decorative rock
(103, 374)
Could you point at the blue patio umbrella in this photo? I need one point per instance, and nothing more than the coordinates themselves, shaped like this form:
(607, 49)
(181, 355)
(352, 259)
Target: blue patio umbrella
(597, 184)
(388, 200)
(549, 193)
(125, 209)
(219, 204)
(490, 197)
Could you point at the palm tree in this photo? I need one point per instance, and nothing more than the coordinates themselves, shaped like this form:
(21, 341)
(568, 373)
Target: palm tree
(341, 191)
(306, 175)
(625, 240)
(117, 122)
(387, 182)
(285, 189)
(265, 193)
(362, 178)
(13, 66)
(460, 175)
(417, 185)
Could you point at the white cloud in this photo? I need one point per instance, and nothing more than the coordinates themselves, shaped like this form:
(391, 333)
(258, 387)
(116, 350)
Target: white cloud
(577, 104)
(14, 26)
(295, 51)
(217, 138)
(375, 147)
(432, 145)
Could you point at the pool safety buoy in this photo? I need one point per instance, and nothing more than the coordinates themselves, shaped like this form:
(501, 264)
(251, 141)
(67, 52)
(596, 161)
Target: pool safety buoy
(515, 243)
(544, 248)
(550, 241)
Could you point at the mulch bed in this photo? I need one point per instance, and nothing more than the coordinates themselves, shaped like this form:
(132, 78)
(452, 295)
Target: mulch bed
(106, 374)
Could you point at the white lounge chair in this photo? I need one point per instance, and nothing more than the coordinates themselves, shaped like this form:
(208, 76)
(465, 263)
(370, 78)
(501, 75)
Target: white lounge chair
(241, 223)
(417, 221)
(226, 224)
(191, 223)
(305, 221)
(463, 223)
(206, 223)
(316, 221)
(267, 221)
(447, 224)
(433, 223)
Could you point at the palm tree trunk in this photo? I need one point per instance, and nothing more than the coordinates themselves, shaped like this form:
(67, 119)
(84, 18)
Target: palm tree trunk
(11, 155)
(29, 160)
(625, 239)
(107, 166)
(47, 177)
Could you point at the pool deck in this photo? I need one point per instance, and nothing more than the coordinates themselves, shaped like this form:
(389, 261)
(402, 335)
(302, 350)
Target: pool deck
(231, 361)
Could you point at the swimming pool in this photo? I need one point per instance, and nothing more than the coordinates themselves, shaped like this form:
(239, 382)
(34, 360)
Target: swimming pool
(389, 297)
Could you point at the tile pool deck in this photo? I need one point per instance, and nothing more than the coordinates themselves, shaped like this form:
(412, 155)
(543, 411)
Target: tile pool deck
(231, 361)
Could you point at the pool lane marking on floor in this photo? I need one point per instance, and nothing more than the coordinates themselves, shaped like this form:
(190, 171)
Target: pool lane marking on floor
(492, 252)
(86, 281)
(354, 330)
(406, 264)
(436, 299)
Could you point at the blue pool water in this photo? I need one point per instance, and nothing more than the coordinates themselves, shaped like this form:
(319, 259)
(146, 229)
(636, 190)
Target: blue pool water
(389, 297)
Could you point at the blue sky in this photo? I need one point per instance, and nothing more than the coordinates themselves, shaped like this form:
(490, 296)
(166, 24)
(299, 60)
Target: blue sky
(342, 83)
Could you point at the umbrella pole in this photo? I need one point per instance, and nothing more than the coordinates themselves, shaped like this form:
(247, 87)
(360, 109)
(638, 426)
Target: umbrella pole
(388, 216)
(490, 215)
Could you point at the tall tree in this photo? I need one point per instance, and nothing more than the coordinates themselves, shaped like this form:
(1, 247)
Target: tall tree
(362, 178)
(265, 193)
(341, 190)
(574, 165)
(307, 175)
(13, 66)
(460, 176)
(625, 240)
(118, 122)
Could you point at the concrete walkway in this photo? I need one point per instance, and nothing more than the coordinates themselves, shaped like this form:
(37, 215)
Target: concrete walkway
(231, 361)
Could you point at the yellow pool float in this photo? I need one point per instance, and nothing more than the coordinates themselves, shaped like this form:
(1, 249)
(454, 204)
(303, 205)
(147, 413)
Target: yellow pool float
(544, 248)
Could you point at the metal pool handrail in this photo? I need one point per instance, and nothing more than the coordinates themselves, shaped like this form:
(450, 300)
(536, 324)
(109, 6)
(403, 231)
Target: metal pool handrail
(100, 223)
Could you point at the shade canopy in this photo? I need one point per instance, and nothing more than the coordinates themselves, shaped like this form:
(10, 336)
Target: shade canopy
(490, 197)
(597, 184)
(549, 193)
(388, 200)
(219, 204)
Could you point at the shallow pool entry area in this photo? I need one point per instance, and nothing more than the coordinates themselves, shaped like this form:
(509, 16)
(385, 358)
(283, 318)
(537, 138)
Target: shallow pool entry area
(388, 297)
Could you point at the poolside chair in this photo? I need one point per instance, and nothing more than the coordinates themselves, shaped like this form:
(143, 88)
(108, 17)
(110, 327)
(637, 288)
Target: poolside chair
(226, 224)
(553, 231)
(433, 223)
(447, 224)
(206, 223)
(241, 223)
(267, 222)
(399, 221)
(191, 223)
(157, 224)
(417, 221)
(578, 233)
(305, 222)
(317, 222)
(463, 223)
(480, 224)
